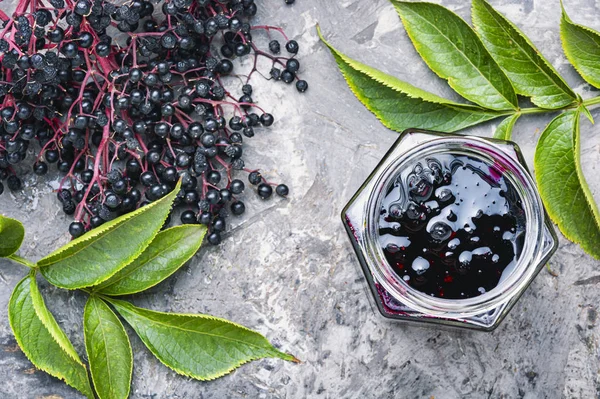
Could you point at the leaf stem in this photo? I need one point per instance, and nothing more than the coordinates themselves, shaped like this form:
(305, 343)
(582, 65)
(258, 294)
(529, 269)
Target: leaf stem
(22, 261)
(592, 101)
(536, 110)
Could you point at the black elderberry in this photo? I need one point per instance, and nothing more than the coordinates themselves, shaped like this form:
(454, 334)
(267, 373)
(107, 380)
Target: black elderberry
(282, 190)
(148, 179)
(69, 207)
(219, 224)
(191, 197)
(213, 196)
(236, 138)
(292, 46)
(265, 191)
(287, 76)
(112, 201)
(96, 221)
(237, 186)
(183, 160)
(241, 49)
(267, 119)
(255, 178)
(40, 168)
(83, 7)
(154, 193)
(238, 208)
(214, 238)
(245, 101)
(170, 175)
(211, 125)
(247, 89)
(76, 229)
(188, 217)
(120, 187)
(208, 139)
(205, 218)
(56, 35)
(102, 49)
(292, 65)
(301, 86)
(274, 47)
(225, 67)
(213, 177)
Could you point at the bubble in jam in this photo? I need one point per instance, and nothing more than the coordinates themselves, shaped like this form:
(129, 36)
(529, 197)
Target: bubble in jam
(452, 226)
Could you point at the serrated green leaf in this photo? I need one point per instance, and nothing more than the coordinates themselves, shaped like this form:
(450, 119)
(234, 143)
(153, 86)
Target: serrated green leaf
(454, 52)
(582, 47)
(399, 105)
(109, 351)
(12, 233)
(505, 128)
(50, 323)
(531, 74)
(587, 113)
(169, 250)
(562, 185)
(99, 254)
(198, 346)
(38, 344)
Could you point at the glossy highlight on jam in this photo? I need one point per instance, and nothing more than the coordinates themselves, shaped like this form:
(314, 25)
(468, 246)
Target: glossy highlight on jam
(451, 226)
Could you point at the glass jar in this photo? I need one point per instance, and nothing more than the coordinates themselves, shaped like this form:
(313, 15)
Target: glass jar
(394, 297)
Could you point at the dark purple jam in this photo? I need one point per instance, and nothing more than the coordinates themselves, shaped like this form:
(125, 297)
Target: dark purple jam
(451, 226)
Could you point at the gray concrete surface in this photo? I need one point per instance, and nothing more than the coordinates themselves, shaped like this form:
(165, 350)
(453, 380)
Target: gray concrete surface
(288, 269)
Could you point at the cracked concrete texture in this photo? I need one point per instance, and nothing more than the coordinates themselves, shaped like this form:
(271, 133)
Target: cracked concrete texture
(288, 269)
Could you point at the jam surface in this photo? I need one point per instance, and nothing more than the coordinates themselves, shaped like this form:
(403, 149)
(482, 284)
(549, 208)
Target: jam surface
(451, 226)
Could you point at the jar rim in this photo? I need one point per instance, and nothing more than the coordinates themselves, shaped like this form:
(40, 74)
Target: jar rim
(510, 285)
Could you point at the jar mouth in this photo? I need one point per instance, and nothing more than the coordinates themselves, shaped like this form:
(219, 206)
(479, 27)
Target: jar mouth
(511, 283)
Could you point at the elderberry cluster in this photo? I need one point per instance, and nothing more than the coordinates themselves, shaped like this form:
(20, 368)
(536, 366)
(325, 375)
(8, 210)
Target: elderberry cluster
(124, 104)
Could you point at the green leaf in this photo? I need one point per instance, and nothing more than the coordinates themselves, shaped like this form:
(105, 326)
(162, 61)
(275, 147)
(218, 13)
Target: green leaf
(562, 185)
(399, 105)
(582, 47)
(108, 349)
(12, 233)
(531, 74)
(198, 346)
(164, 256)
(50, 323)
(102, 252)
(505, 128)
(454, 52)
(39, 344)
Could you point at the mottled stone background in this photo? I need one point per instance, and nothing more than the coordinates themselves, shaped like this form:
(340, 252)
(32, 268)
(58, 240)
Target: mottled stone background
(288, 269)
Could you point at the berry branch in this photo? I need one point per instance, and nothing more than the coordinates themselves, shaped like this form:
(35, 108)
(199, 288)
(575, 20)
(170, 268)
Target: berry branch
(125, 103)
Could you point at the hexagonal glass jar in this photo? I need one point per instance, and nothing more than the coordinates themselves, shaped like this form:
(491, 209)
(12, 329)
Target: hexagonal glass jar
(394, 298)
